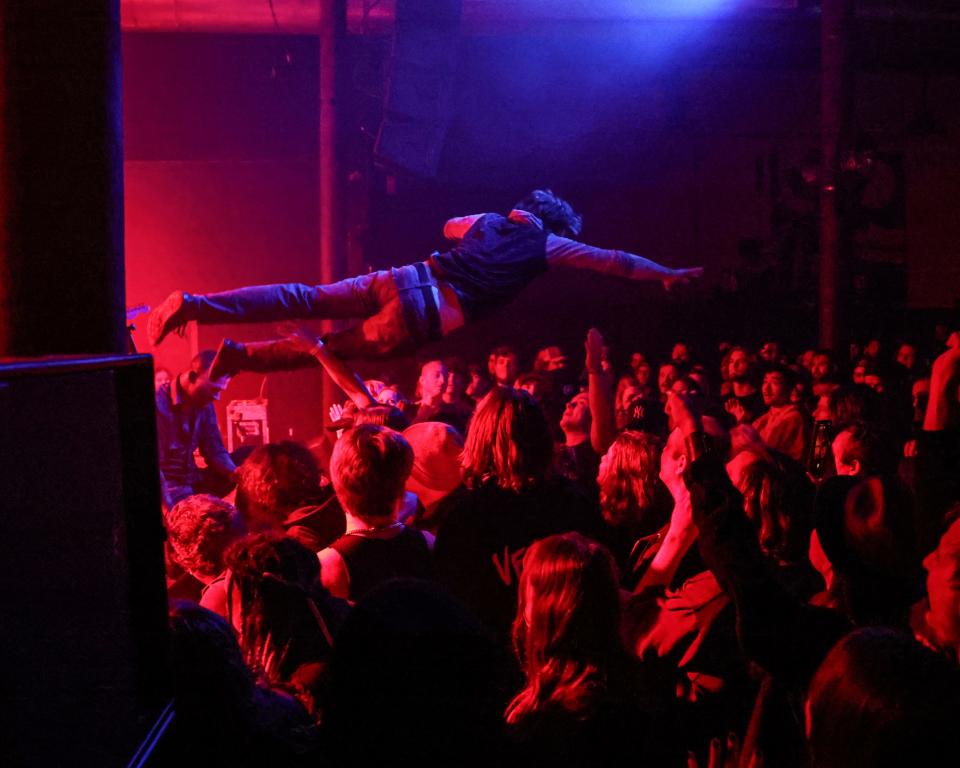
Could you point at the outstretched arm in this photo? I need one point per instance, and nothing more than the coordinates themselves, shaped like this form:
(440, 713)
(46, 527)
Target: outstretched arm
(562, 251)
(342, 374)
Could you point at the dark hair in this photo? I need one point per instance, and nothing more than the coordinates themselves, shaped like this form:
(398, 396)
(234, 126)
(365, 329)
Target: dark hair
(867, 528)
(223, 717)
(199, 530)
(206, 660)
(868, 447)
(202, 361)
(881, 699)
(410, 646)
(276, 479)
(503, 350)
(282, 602)
(854, 402)
(778, 503)
(790, 376)
(556, 213)
(369, 469)
(530, 377)
(508, 442)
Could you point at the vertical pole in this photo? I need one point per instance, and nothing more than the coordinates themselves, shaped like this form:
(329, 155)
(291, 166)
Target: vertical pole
(834, 111)
(61, 179)
(333, 252)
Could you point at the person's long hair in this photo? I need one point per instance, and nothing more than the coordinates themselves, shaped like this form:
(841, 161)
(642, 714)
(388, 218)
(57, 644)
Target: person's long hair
(508, 442)
(566, 632)
(628, 478)
(282, 605)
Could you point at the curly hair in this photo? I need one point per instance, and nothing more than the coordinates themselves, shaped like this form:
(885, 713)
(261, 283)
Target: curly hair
(275, 480)
(199, 530)
(556, 213)
(508, 442)
(628, 477)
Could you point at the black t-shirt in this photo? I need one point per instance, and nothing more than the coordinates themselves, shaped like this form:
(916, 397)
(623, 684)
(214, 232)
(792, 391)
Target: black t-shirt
(496, 259)
(485, 533)
(579, 464)
(632, 721)
(371, 561)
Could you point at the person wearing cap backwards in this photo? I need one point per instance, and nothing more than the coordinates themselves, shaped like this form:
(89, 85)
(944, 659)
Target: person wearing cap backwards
(491, 259)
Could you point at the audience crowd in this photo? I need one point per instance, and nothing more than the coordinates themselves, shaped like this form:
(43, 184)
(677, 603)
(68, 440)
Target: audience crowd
(673, 564)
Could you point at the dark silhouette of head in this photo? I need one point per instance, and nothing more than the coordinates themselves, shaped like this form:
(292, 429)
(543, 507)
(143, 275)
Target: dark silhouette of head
(880, 699)
(556, 213)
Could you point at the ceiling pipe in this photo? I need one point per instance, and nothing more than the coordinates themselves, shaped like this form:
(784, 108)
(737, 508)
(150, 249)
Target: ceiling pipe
(302, 17)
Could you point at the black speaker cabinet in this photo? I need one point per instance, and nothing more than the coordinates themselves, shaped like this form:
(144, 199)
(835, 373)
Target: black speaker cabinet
(418, 106)
(83, 630)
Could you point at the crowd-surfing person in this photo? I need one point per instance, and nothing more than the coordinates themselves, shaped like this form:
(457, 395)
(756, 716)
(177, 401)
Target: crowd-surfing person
(746, 559)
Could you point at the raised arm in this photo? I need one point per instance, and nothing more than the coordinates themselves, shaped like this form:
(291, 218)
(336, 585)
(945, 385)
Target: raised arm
(680, 536)
(562, 251)
(342, 374)
(784, 636)
(603, 429)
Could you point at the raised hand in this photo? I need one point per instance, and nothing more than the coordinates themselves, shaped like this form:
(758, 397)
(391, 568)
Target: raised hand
(300, 338)
(594, 349)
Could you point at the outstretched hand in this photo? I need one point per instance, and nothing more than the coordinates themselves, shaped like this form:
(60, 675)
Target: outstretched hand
(681, 276)
(300, 338)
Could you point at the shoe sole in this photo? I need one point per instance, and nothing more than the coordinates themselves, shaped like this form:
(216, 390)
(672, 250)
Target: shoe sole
(159, 325)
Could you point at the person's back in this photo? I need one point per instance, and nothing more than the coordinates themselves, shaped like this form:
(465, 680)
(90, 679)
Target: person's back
(375, 557)
(495, 259)
(415, 679)
(880, 700)
(369, 469)
(585, 702)
(509, 504)
(486, 531)
(629, 717)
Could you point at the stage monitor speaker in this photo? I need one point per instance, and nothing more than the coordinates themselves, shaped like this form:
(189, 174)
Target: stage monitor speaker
(83, 627)
(418, 105)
